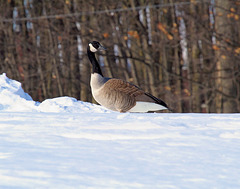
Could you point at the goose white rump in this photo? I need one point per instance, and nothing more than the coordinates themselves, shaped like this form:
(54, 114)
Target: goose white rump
(146, 107)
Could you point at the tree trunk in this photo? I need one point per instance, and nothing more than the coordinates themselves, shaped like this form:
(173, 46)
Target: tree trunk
(226, 84)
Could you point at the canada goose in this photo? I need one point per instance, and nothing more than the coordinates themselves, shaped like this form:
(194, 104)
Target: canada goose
(116, 94)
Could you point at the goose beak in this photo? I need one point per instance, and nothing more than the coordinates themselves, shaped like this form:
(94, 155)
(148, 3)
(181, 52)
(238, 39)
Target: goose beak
(102, 48)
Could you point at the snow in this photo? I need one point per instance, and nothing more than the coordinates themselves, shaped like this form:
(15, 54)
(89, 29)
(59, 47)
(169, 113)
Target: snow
(65, 143)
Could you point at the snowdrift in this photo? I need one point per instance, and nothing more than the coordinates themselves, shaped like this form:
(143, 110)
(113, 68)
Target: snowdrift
(14, 99)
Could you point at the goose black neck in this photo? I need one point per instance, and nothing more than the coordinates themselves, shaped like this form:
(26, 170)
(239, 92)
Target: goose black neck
(95, 65)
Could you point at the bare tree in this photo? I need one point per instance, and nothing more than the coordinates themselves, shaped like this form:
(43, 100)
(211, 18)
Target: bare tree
(186, 52)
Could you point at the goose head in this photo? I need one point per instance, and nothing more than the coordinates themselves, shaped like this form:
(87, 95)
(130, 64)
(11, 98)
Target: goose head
(95, 46)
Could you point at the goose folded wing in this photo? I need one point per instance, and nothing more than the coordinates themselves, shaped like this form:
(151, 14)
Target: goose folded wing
(125, 95)
(122, 94)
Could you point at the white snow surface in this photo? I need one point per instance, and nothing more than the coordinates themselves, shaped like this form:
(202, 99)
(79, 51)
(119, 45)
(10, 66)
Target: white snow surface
(65, 143)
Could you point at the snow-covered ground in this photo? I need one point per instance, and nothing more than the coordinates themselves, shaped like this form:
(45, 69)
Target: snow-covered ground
(65, 143)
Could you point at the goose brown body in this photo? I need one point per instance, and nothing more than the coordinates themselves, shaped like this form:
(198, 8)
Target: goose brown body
(116, 94)
(119, 95)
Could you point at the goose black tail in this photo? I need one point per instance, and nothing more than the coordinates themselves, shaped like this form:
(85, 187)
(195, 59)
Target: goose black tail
(159, 101)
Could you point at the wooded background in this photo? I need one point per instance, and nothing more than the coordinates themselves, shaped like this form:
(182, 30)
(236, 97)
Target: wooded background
(185, 52)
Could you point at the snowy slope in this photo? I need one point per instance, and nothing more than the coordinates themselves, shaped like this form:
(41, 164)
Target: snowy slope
(65, 143)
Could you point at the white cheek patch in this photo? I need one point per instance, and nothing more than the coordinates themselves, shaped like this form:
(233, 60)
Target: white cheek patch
(92, 48)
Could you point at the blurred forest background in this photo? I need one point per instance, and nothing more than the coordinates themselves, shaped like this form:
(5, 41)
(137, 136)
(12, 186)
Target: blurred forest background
(185, 52)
